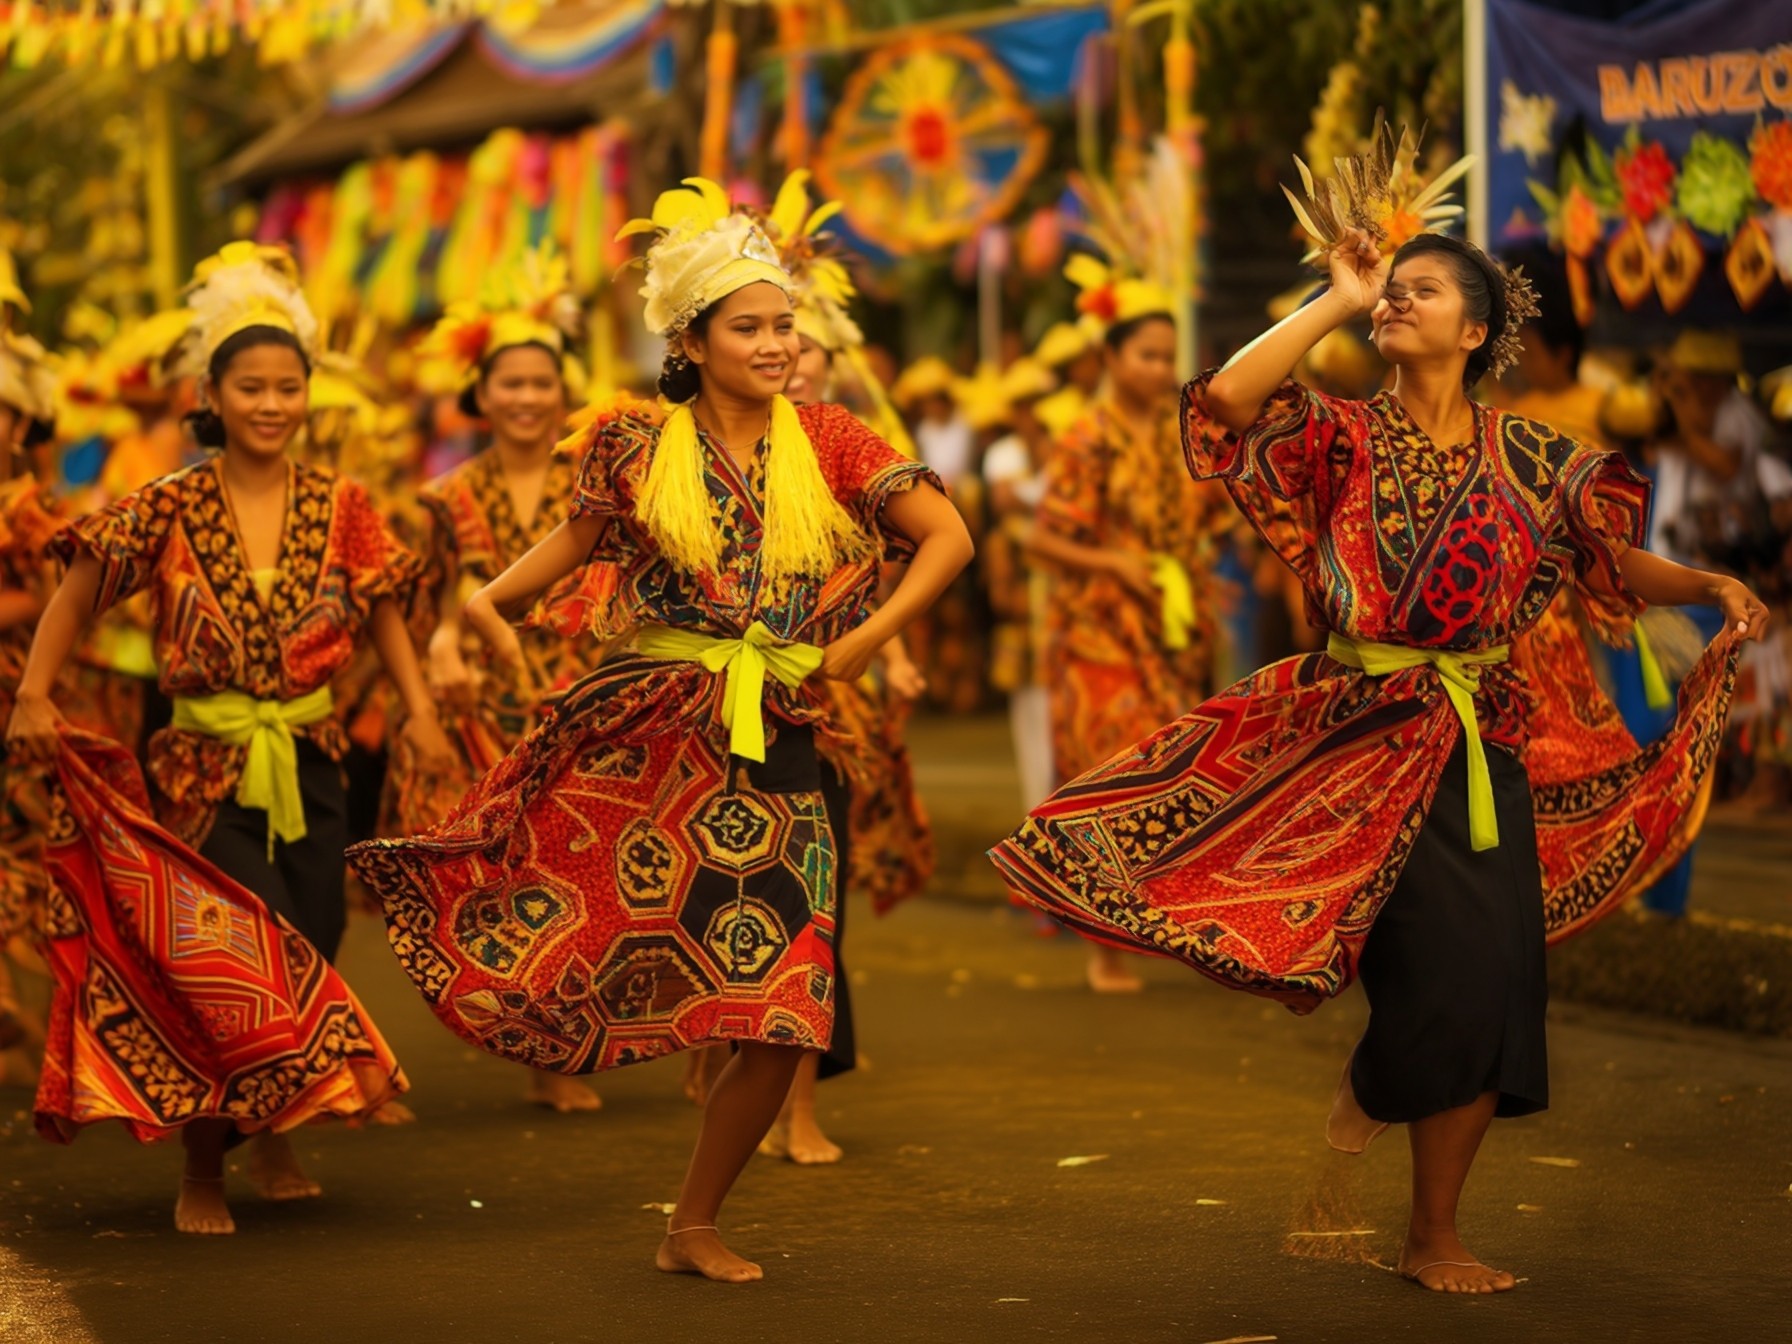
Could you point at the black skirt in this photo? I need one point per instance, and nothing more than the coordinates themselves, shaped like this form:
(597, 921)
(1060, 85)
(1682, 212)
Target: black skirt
(1454, 964)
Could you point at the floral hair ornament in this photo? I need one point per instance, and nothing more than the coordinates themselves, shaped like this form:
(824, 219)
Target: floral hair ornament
(245, 285)
(1140, 225)
(824, 291)
(530, 303)
(705, 251)
(1521, 307)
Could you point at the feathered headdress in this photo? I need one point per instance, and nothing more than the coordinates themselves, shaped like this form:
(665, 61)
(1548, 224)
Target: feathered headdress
(705, 251)
(530, 303)
(1144, 228)
(27, 377)
(824, 290)
(245, 285)
(1380, 191)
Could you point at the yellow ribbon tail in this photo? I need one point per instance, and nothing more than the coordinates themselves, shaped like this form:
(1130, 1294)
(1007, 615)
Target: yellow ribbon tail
(270, 781)
(1655, 686)
(1178, 601)
(744, 663)
(1461, 677)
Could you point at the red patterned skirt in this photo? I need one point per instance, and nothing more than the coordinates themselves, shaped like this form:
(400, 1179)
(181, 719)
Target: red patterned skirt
(177, 995)
(892, 851)
(1256, 838)
(617, 889)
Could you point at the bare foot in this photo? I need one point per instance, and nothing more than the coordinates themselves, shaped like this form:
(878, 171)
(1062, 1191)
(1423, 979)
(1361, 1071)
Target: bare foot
(1108, 974)
(776, 1142)
(1349, 1129)
(699, 1250)
(562, 1094)
(201, 1209)
(392, 1113)
(274, 1170)
(809, 1147)
(1444, 1265)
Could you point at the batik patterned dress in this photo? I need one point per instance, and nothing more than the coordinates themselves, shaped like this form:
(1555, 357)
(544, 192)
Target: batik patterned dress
(1257, 837)
(475, 535)
(1112, 680)
(27, 523)
(214, 631)
(620, 886)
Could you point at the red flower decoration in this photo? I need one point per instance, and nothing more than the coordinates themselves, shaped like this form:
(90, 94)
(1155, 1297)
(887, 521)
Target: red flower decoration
(1646, 176)
(1103, 303)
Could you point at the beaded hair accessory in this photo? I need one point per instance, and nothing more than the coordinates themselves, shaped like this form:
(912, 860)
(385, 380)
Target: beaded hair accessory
(1521, 307)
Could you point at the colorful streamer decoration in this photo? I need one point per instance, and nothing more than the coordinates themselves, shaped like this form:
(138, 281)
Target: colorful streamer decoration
(148, 33)
(931, 142)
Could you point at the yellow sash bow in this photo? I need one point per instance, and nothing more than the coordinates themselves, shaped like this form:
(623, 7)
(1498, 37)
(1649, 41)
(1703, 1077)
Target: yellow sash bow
(1461, 675)
(271, 771)
(1178, 607)
(744, 662)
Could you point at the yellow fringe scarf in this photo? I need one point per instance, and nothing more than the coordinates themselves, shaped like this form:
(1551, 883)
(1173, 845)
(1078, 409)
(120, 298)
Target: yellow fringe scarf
(807, 532)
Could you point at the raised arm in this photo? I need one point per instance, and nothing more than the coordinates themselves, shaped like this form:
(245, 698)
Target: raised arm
(1237, 392)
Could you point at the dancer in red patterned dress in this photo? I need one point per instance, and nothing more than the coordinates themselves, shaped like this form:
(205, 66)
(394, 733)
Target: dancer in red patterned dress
(1124, 536)
(653, 868)
(1367, 811)
(506, 357)
(199, 1011)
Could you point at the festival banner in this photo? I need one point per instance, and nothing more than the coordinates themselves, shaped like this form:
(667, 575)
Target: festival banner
(1654, 150)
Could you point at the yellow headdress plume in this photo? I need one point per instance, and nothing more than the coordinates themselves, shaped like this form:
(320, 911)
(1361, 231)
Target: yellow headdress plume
(531, 303)
(27, 378)
(705, 251)
(1062, 343)
(1380, 191)
(245, 285)
(1142, 225)
(824, 290)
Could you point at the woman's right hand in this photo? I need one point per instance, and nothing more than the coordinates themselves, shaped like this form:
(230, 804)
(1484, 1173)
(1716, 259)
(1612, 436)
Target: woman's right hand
(35, 731)
(1359, 271)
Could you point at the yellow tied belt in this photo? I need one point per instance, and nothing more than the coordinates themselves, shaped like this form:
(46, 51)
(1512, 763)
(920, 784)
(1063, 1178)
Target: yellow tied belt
(1178, 600)
(271, 771)
(1461, 675)
(744, 662)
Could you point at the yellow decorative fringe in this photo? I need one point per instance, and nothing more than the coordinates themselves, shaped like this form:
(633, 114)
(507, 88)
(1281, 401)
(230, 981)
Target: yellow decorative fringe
(807, 532)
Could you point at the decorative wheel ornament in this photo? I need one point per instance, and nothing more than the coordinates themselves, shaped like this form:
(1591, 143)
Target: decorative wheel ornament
(931, 142)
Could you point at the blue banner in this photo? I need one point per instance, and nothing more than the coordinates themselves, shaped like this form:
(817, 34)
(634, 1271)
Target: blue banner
(1641, 144)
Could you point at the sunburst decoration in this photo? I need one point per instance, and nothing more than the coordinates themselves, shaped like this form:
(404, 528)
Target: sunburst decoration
(931, 141)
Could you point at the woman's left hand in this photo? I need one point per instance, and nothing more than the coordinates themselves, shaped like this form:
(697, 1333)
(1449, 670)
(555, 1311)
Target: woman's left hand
(1744, 613)
(847, 658)
(904, 679)
(433, 753)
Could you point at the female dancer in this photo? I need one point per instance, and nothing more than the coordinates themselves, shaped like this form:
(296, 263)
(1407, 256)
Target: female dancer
(27, 522)
(1124, 532)
(1368, 809)
(653, 868)
(510, 365)
(263, 574)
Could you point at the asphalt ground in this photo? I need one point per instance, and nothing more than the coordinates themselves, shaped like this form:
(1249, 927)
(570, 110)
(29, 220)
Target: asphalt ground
(1652, 1203)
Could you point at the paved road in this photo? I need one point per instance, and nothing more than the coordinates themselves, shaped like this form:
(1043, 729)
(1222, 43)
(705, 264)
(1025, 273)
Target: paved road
(1661, 1213)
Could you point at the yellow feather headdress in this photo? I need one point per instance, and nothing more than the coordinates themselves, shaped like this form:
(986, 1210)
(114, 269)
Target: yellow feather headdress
(1380, 191)
(531, 303)
(705, 250)
(245, 285)
(824, 290)
(1141, 226)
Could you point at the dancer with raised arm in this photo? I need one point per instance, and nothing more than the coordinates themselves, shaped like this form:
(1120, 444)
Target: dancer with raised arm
(1367, 810)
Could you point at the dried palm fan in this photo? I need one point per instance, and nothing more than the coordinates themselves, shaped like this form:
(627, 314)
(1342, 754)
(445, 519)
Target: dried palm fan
(1380, 191)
